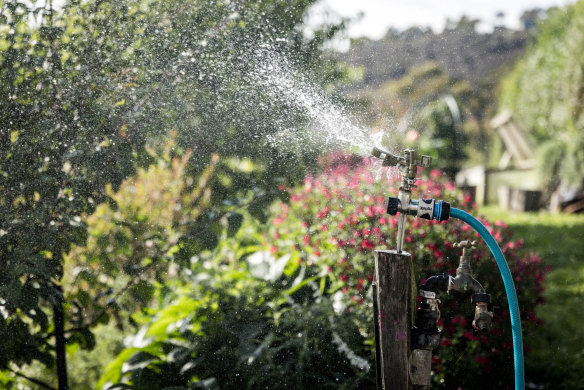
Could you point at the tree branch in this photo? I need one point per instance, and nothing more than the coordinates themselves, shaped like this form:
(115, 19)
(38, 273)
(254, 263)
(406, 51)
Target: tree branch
(93, 321)
(33, 380)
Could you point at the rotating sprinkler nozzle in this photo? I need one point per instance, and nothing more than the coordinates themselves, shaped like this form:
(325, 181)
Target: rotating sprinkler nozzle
(404, 204)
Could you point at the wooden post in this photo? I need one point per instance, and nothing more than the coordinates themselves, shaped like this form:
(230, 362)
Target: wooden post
(393, 273)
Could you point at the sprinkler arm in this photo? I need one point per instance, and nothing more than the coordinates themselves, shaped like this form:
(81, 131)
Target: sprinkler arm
(407, 164)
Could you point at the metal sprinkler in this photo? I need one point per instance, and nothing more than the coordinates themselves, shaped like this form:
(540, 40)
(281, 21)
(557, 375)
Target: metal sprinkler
(404, 204)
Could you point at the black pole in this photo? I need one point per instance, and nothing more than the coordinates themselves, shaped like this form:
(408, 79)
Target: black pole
(60, 352)
(376, 336)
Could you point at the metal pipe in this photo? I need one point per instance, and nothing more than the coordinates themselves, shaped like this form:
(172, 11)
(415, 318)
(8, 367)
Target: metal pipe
(376, 335)
(400, 231)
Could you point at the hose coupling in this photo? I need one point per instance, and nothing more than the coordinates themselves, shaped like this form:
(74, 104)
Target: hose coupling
(424, 208)
(483, 317)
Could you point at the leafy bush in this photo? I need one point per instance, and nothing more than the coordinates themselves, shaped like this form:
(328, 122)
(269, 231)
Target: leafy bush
(297, 312)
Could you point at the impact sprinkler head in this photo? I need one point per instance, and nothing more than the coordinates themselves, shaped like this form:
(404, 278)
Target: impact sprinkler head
(389, 160)
(404, 204)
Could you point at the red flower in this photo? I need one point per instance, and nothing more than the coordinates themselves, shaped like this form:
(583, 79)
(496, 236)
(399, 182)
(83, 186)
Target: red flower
(324, 213)
(481, 360)
(469, 335)
(366, 244)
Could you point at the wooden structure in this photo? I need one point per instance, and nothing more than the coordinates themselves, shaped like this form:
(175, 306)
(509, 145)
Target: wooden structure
(514, 184)
(518, 146)
(396, 300)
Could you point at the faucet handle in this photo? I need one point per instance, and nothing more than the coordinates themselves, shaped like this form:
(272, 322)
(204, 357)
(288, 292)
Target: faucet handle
(465, 244)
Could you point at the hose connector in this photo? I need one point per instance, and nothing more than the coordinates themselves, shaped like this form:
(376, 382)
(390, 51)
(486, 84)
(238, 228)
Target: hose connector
(483, 317)
(424, 208)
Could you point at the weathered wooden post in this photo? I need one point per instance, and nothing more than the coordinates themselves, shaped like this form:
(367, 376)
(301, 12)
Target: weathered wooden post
(395, 300)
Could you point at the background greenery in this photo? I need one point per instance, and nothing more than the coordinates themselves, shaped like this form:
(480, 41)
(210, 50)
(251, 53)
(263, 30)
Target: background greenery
(544, 92)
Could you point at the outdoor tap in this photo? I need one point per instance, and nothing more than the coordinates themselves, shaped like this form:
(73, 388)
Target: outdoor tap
(464, 282)
(483, 317)
(404, 204)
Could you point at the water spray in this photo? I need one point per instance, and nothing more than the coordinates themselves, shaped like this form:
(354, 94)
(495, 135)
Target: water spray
(390, 293)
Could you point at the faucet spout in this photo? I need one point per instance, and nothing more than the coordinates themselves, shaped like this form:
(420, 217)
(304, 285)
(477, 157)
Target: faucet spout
(464, 282)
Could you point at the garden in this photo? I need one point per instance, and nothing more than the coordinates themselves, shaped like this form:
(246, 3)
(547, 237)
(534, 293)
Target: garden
(188, 201)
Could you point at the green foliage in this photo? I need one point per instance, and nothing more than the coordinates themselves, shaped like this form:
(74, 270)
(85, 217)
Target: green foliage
(84, 89)
(227, 329)
(545, 90)
(60, 143)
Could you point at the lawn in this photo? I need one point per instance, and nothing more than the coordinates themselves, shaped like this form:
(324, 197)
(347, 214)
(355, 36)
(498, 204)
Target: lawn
(557, 358)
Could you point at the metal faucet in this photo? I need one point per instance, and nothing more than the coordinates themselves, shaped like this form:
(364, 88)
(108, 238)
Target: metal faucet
(425, 334)
(464, 282)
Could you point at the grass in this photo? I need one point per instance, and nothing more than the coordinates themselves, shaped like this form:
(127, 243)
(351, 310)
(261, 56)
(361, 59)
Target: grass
(557, 358)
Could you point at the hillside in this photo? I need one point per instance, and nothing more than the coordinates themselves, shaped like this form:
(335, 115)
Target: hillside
(460, 50)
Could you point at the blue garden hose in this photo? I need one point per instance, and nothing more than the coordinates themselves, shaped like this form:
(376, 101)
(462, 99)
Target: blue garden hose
(509, 289)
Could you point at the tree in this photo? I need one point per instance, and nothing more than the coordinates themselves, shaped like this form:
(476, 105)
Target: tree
(544, 92)
(61, 142)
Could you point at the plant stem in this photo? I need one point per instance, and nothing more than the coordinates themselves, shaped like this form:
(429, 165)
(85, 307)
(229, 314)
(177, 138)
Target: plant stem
(59, 319)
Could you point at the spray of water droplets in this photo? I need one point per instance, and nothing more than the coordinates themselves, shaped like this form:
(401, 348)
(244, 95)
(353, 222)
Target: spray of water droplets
(329, 124)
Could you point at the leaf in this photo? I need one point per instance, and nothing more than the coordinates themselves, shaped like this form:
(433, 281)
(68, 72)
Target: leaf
(234, 221)
(138, 361)
(143, 291)
(113, 370)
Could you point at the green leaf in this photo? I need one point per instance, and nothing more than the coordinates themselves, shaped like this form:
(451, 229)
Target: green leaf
(234, 221)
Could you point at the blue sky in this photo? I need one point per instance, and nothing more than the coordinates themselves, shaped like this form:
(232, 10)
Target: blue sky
(379, 15)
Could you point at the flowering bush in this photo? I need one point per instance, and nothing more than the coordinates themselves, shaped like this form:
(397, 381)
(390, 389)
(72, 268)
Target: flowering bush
(335, 221)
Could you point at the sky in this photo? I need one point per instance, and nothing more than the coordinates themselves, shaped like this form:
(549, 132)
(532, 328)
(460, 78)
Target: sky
(379, 15)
